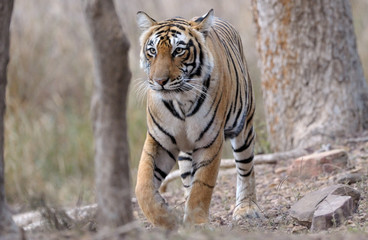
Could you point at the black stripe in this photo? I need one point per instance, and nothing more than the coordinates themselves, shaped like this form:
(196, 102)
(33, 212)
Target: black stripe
(197, 70)
(246, 160)
(176, 33)
(203, 183)
(170, 106)
(201, 99)
(199, 165)
(250, 117)
(161, 128)
(168, 152)
(247, 174)
(215, 101)
(192, 52)
(159, 171)
(231, 133)
(157, 177)
(210, 144)
(177, 24)
(237, 116)
(237, 85)
(149, 154)
(178, 20)
(160, 32)
(182, 158)
(240, 125)
(210, 122)
(246, 143)
(201, 56)
(228, 115)
(185, 175)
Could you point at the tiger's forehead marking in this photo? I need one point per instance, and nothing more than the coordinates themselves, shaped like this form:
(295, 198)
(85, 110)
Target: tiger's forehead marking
(170, 33)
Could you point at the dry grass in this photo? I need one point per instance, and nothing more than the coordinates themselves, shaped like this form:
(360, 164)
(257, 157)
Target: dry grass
(276, 193)
(49, 140)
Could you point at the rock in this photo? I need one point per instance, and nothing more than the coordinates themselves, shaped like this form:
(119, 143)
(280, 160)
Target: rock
(317, 163)
(304, 209)
(344, 190)
(332, 211)
(351, 178)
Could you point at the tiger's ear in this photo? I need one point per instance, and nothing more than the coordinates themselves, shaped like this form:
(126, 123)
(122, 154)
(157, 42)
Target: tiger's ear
(144, 21)
(204, 23)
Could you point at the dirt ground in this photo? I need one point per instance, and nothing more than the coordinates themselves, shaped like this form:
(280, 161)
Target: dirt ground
(276, 192)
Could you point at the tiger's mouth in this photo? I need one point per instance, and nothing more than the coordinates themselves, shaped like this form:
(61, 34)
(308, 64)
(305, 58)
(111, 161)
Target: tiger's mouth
(164, 90)
(172, 87)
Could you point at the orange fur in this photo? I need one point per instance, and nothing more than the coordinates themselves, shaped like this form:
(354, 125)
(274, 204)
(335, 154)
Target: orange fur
(200, 93)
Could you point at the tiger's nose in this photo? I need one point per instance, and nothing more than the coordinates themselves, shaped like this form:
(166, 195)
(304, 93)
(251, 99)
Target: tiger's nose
(161, 81)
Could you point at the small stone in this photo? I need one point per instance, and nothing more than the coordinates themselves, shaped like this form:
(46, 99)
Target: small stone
(350, 178)
(332, 211)
(278, 219)
(315, 164)
(303, 210)
(299, 229)
(281, 170)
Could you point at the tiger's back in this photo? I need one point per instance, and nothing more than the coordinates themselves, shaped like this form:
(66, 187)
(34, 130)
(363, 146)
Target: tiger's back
(225, 37)
(200, 93)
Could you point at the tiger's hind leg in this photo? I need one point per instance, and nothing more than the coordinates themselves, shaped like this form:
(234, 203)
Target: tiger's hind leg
(243, 145)
(185, 167)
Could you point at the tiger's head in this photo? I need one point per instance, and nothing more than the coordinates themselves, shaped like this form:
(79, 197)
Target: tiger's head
(174, 53)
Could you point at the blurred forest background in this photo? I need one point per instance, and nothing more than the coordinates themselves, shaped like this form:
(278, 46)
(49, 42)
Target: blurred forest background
(49, 139)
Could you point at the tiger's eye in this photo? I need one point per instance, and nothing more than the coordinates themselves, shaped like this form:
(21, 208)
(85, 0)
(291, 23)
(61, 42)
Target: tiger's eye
(152, 51)
(179, 50)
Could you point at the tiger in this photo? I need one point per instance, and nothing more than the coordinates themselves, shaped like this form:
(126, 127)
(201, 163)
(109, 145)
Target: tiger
(199, 93)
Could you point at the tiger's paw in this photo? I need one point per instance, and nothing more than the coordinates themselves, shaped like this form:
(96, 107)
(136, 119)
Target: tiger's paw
(196, 220)
(246, 210)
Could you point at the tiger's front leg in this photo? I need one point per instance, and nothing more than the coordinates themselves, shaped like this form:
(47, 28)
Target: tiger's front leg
(154, 165)
(206, 162)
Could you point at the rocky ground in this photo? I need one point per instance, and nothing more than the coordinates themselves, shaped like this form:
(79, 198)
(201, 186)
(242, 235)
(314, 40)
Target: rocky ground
(277, 191)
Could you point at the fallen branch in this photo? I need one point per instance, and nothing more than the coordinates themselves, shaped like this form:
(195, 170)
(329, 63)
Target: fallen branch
(272, 158)
(357, 140)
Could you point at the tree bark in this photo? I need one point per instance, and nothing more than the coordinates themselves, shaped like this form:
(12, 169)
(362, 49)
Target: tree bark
(109, 105)
(7, 225)
(312, 79)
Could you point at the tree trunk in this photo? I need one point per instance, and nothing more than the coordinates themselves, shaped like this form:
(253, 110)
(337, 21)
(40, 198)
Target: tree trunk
(313, 83)
(109, 113)
(7, 225)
